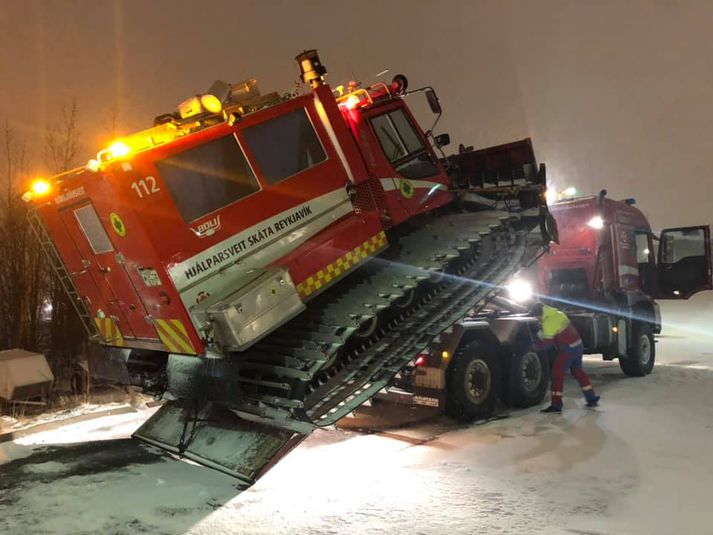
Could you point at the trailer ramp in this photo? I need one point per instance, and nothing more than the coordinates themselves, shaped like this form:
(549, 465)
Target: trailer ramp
(215, 437)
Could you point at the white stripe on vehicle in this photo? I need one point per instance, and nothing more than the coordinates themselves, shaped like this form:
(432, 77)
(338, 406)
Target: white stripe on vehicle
(263, 243)
(390, 184)
(332, 136)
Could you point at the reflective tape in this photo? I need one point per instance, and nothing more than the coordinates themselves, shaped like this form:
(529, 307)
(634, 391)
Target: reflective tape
(109, 331)
(174, 336)
(342, 264)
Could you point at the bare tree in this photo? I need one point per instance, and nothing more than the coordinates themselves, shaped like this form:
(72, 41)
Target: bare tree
(21, 264)
(61, 149)
(27, 282)
(62, 143)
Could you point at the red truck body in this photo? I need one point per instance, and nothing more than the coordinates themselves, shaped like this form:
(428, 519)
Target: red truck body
(143, 253)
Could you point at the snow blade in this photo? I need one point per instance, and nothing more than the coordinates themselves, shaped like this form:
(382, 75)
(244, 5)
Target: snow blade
(215, 437)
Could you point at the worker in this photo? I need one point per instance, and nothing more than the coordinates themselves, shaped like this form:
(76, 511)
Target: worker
(557, 331)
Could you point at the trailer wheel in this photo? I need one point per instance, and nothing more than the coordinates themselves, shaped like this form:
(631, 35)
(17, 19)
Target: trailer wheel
(528, 379)
(472, 383)
(639, 360)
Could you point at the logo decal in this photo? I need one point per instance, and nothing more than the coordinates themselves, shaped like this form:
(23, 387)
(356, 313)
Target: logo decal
(406, 188)
(207, 228)
(117, 224)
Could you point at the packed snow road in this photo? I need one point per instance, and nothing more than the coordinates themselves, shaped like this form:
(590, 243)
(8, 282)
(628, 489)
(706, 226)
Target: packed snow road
(639, 464)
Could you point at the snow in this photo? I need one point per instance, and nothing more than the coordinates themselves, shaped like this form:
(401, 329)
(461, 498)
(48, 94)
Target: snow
(105, 428)
(640, 464)
(8, 423)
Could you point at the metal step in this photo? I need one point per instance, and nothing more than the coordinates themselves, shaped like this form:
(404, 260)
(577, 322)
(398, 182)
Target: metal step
(217, 438)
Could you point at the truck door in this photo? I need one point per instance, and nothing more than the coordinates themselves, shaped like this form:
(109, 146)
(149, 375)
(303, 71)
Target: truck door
(685, 266)
(103, 265)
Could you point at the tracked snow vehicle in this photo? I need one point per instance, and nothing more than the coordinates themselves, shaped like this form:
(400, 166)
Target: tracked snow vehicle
(274, 261)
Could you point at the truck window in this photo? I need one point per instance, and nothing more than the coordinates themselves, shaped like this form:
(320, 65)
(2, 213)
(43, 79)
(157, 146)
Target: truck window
(284, 146)
(644, 259)
(680, 244)
(402, 145)
(93, 229)
(642, 248)
(207, 177)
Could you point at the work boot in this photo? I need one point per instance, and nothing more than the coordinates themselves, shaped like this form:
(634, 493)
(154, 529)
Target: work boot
(553, 409)
(592, 401)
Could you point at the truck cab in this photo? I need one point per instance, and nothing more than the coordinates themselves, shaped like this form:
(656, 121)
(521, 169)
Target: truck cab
(609, 268)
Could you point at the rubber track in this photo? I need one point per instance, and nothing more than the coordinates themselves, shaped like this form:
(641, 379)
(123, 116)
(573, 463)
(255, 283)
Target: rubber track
(316, 369)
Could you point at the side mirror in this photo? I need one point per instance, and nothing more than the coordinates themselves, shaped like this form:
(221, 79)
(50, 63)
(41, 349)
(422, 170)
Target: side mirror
(442, 140)
(433, 101)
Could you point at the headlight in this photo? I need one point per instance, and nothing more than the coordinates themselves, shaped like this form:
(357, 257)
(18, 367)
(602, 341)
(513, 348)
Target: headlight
(520, 290)
(596, 222)
(551, 196)
(569, 192)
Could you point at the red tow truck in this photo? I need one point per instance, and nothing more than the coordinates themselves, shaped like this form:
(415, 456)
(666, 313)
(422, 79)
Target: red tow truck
(606, 272)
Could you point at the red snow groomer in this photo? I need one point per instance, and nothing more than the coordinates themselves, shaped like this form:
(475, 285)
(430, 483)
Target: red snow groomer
(274, 261)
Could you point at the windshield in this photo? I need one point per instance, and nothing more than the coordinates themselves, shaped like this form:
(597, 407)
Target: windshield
(403, 146)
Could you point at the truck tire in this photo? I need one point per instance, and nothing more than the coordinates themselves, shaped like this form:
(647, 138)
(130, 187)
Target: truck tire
(528, 379)
(472, 383)
(639, 360)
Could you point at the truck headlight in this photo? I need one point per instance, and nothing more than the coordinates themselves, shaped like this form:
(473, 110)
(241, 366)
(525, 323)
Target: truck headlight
(519, 290)
(596, 222)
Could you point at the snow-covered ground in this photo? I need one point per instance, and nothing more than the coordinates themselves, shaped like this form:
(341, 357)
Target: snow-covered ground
(9, 424)
(640, 464)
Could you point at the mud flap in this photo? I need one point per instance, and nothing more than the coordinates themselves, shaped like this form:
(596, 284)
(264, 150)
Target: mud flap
(215, 437)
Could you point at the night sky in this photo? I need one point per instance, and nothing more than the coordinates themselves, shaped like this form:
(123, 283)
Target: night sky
(615, 95)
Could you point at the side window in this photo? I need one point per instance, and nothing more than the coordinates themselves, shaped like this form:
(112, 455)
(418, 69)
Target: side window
(644, 258)
(680, 244)
(396, 135)
(403, 146)
(626, 255)
(389, 138)
(207, 177)
(642, 248)
(684, 262)
(408, 134)
(284, 146)
(93, 229)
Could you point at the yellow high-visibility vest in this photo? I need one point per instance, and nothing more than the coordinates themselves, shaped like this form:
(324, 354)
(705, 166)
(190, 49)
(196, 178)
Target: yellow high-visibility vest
(553, 322)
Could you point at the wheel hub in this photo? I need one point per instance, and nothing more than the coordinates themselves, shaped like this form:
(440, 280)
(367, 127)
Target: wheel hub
(531, 371)
(478, 381)
(644, 349)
